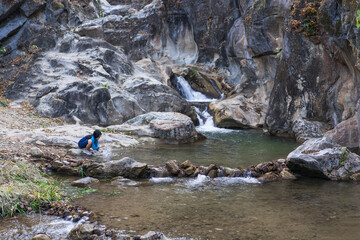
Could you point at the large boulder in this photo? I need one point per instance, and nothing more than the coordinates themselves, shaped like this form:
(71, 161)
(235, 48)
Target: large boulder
(170, 126)
(238, 112)
(322, 158)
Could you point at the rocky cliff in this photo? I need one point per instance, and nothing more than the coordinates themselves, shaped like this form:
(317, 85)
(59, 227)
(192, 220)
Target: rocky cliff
(292, 65)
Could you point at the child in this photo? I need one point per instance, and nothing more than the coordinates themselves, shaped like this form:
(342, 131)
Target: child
(90, 141)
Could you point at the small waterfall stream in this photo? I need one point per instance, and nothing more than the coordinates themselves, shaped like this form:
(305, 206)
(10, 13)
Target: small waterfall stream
(200, 105)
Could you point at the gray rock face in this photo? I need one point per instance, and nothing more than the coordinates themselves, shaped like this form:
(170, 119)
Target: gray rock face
(304, 129)
(347, 132)
(12, 26)
(321, 83)
(125, 167)
(32, 6)
(7, 7)
(322, 158)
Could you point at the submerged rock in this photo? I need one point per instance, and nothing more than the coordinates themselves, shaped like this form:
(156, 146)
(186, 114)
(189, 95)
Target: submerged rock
(324, 159)
(84, 182)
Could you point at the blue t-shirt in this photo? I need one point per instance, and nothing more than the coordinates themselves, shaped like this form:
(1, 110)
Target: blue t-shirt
(95, 143)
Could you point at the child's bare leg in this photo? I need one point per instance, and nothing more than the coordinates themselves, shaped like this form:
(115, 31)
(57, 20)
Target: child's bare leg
(88, 146)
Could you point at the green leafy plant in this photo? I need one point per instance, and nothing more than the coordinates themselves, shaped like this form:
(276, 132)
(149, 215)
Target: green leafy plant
(193, 73)
(34, 47)
(358, 18)
(105, 85)
(4, 103)
(2, 50)
(344, 154)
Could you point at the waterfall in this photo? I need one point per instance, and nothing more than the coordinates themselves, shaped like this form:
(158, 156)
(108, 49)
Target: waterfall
(206, 121)
(190, 94)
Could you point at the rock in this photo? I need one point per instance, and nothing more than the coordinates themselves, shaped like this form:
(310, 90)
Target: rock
(186, 164)
(167, 99)
(75, 152)
(286, 175)
(41, 237)
(281, 161)
(355, 177)
(12, 26)
(40, 143)
(126, 167)
(81, 231)
(346, 134)
(324, 159)
(173, 166)
(212, 171)
(84, 182)
(29, 7)
(265, 167)
(238, 112)
(269, 177)
(36, 152)
(304, 129)
(152, 236)
(7, 7)
(189, 171)
(170, 126)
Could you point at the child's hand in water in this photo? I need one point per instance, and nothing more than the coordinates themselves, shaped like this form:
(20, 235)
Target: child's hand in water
(102, 146)
(101, 151)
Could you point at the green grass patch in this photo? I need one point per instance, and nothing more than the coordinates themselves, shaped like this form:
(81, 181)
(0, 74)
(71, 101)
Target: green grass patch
(24, 187)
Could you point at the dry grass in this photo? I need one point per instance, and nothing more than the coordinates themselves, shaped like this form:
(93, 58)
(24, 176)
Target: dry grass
(24, 188)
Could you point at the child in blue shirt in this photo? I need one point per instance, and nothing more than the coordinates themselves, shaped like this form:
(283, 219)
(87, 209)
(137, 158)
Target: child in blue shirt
(90, 141)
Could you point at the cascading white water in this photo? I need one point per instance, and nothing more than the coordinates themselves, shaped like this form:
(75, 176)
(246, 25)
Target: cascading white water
(190, 94)
(206, 121)
(207, 125)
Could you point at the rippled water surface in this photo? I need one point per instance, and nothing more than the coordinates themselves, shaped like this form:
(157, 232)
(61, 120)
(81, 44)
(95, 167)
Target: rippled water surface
(239, 148)
(231, 208)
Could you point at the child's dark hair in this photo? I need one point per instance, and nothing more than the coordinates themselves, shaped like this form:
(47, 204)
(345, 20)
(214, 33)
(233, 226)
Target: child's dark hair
(96, 134)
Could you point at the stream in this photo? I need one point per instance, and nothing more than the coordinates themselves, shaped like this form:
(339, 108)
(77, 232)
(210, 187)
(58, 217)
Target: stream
(221, 208)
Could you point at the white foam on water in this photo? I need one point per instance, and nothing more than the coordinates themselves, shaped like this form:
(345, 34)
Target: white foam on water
(203, 180)
(161, 179)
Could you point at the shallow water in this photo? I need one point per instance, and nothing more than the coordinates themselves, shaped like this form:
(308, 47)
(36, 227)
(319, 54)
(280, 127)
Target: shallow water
(26, 227)
(231, 208)
(229, 148)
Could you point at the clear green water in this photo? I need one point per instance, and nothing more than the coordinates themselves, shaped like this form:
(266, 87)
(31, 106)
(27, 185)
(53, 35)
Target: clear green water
(302, 209)
(239, 148)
